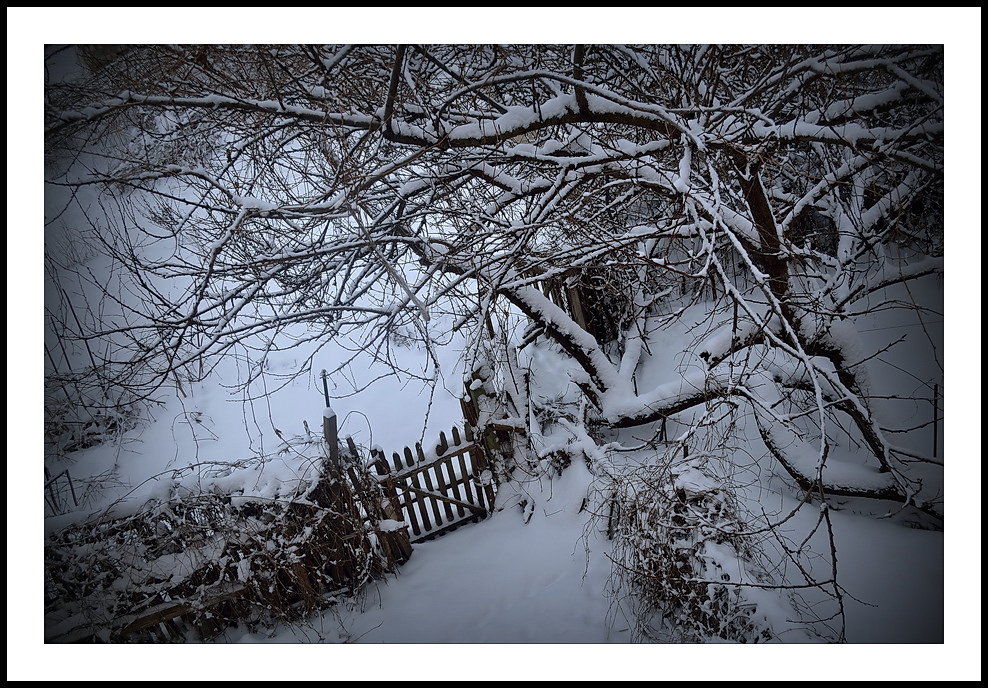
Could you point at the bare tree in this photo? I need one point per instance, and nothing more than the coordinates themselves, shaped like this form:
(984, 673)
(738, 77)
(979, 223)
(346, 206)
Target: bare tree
(598, 191)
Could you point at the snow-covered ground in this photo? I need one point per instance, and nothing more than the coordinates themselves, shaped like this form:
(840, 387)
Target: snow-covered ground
(502, 580)
(499, 581)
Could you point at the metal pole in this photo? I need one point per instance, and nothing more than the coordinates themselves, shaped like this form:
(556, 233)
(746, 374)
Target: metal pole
(325, 388)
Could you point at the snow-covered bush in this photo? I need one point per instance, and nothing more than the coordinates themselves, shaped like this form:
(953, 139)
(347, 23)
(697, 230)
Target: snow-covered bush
(682, 560)
(193, 563)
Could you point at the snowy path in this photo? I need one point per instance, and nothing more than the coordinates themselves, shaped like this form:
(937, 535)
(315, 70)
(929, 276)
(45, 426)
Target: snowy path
(499, 581)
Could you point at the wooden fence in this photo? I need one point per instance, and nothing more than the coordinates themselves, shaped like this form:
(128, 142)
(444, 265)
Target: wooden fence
(430, 494)
(436, 493)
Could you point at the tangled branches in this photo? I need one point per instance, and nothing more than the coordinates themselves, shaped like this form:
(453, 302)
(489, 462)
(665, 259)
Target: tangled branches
(197, 563)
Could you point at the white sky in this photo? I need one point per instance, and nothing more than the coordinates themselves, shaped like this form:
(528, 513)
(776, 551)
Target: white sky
(28, 29)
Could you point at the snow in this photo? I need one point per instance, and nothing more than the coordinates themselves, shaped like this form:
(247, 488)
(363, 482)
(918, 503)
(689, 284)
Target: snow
(897, 576)
(498, 582)
(252, 203)
(390, 525)
(682, 181)
(552, 313)
(483, 601)
(903, 619)
(851, 133)
(505, 580)
(545, 581)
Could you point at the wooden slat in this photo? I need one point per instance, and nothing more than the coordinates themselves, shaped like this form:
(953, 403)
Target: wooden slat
(517, 429)
(354, 454)
(309, 594)
(415, 483)
(396, 459)
(465, 479)
(443, 488)
(158, 617)
(468, 407)
(489, 491)
(380, 462)
(453, 483)
(576, 307)
(408, 507)
(433, 502)
(361, 495)
(356, 499)
(425, 472)
(392, 494)
(476, 465)
(348, 494)
(480, 464)
(479, 492)
(409, 461)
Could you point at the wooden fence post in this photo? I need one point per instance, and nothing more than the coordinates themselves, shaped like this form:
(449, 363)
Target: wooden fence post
(330, 434)
(576, 307)
(330, 431)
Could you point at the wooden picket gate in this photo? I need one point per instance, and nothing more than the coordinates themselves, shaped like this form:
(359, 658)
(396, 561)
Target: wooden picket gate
(436, 493)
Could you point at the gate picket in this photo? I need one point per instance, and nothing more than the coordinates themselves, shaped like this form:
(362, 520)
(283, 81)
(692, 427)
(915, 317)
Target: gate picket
(436, 494)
